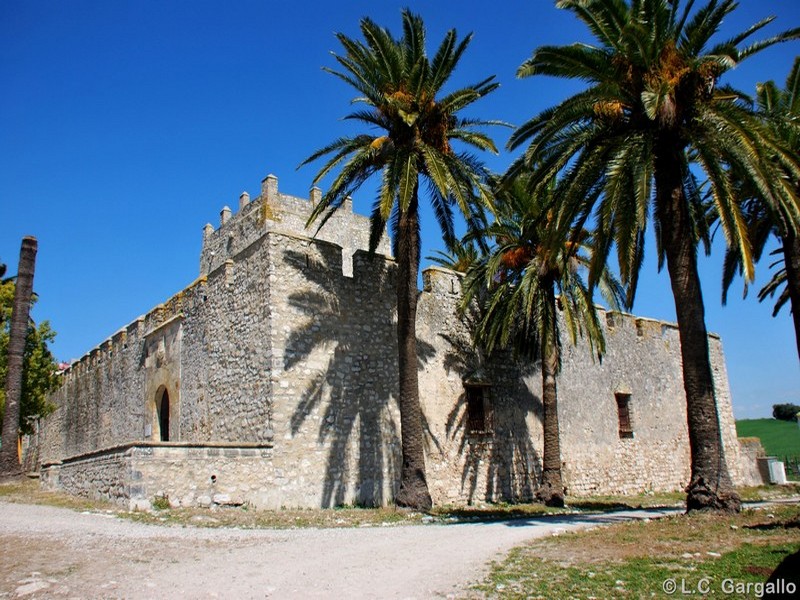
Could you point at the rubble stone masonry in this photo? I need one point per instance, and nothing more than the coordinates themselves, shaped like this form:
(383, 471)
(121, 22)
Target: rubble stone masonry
(275, 372)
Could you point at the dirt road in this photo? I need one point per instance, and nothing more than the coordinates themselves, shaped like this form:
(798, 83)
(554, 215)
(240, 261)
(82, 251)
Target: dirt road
(48, 552)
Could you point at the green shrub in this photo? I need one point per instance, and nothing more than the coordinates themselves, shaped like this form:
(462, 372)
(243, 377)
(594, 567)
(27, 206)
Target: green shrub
(785, 412)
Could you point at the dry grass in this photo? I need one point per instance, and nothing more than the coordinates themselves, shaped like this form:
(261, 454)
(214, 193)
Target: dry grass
(245, 518)
(25, 490)
(635, 559)
(28, 491)
(671, 537)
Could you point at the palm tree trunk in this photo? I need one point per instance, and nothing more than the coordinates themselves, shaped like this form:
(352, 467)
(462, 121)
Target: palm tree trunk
(791, 259)
(710, 486)
(9, 461)
(413, 491)
(551, 492)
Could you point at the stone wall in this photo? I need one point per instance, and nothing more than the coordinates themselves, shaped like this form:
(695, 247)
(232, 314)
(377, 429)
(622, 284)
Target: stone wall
(642, 362)
(274, 211)
(189, 475)
(502, 462)
(230, 364)
(727, 423)
(207, 346)
(92, 411)
(104, 475)
(290, 342)
(752, 472)
(334, 374)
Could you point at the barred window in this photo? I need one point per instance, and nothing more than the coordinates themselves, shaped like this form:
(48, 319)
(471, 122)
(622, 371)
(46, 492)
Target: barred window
(479, 413)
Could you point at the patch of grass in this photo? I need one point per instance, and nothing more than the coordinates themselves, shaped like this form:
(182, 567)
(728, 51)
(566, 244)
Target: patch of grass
(28, 491)
(23, 490)
(588, 504)
(700, 553)
(779, 438)
(278, 519)
(649, 500)
(769, 492)
(489, 512)
(160, 503)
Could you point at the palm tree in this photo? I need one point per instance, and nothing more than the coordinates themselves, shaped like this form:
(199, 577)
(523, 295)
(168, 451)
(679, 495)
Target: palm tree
(529, 278)
(625, 145)
(780, 111)
(3, 281)
(780, 284)
(459, 256)
(400, 86)
(9, 463)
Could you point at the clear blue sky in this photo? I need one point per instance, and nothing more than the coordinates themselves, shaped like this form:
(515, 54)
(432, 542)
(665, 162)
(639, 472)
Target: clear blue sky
(125, 126)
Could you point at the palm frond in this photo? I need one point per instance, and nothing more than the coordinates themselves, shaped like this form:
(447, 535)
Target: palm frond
(605, 18)
(791, 34)
(395, 78)
(738, 39)
(793, 88)
(531, 258)
(703, 25)
(576, 61)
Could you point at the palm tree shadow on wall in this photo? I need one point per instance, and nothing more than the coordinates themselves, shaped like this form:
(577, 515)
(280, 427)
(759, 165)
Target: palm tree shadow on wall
(505, 452)
(348, 338)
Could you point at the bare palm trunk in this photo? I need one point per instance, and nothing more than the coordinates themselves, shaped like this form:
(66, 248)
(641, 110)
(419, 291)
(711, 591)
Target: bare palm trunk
(791, 256)
(9, 461)
(710, 486)
(413, 491)
(551, 491)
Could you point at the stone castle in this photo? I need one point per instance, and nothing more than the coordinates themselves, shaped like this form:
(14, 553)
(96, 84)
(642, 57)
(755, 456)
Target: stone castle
(271, 380)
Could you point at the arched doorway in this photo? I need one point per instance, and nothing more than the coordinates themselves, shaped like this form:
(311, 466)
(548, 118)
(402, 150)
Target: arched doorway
(162, 408)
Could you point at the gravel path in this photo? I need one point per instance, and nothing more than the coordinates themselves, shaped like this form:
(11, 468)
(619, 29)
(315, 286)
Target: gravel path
(48, 552)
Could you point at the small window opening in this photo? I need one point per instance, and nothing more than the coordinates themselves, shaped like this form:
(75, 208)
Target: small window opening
(163, 417)
(624, 415)
(479, 414)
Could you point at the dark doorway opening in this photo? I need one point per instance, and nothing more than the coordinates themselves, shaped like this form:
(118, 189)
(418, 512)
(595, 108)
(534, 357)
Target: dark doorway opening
(163, 416)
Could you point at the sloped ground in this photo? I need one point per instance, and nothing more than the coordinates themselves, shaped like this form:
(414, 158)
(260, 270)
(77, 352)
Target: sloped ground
(48, 552)
(701, 554)
(779, 438)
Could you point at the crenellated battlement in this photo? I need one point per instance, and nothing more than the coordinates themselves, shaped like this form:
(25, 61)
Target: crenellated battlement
(135, 330)
(287, 342)
(303, 252)
(439, 280)
(273, 211)
(223, 271)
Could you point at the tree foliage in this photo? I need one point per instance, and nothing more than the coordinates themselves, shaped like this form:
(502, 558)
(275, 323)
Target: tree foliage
(624, 148)
(654, 80)
(785, 412)
(416, 127)
(779, 110)
(529, 287)
(528, 261)
(459, 256)
(40, 369)
(415, 133)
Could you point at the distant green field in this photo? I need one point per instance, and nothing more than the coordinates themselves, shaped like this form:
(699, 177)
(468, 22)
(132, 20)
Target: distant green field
(779, 438)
